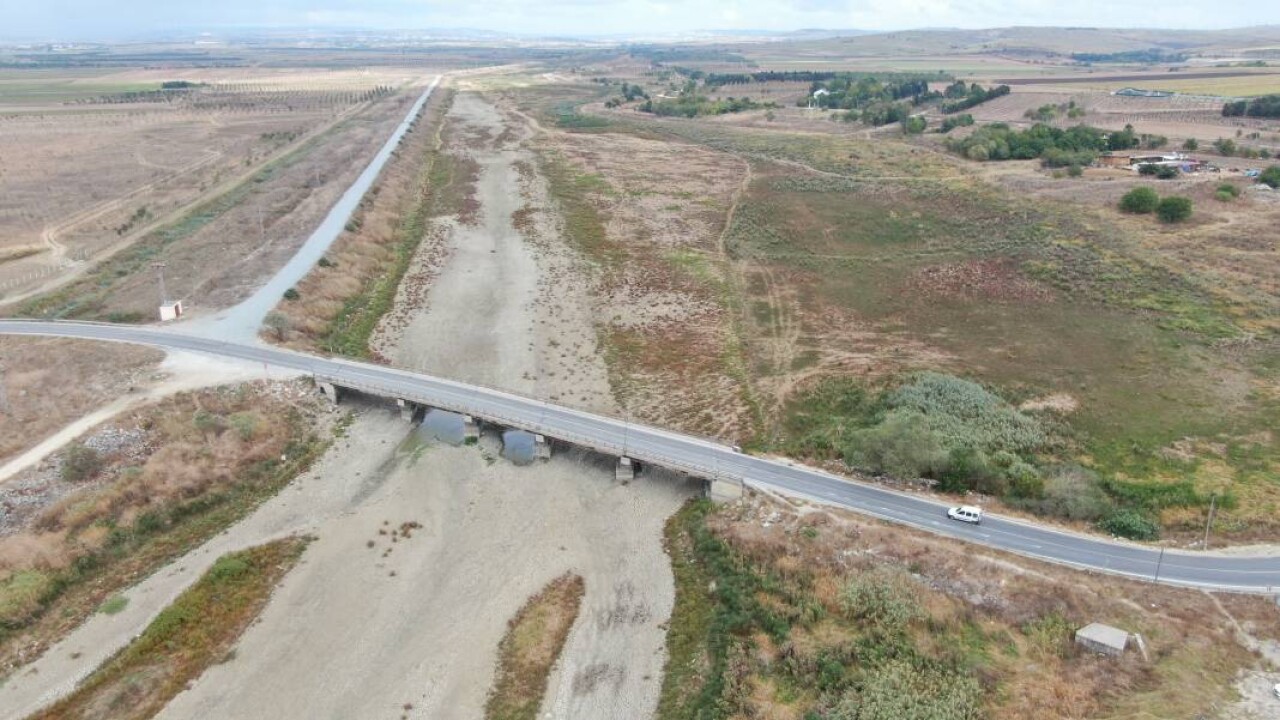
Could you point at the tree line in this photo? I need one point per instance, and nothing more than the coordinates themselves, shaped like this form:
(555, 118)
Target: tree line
(960, 97)
(1266, 106)
(1055, 147)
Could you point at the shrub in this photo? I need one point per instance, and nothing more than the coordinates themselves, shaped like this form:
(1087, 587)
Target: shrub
(1130, 524)
(943, 427)
(1271, 177)
(966, 414)
(229, 567)
(1075, 171)
(903, 690)
(1174, 209)
(1070, 492)
(292, 294)
(902, 445)
(881, 599)
(1140, 201)
(80, 463)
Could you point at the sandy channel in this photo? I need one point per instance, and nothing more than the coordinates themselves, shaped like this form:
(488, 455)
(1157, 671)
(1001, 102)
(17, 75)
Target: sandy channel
(357, 632)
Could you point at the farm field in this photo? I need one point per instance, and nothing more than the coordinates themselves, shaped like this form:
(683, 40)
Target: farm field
(103, 171)
(1215, 84)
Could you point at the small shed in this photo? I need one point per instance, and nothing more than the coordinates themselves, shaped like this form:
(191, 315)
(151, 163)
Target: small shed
(820, 92)
(1102, 639)
(171, 311)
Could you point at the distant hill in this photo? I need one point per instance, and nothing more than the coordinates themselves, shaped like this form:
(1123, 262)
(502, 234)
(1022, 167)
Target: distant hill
(1049, 41)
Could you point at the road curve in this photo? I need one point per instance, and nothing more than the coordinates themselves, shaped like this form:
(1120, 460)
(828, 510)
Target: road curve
(710, 459)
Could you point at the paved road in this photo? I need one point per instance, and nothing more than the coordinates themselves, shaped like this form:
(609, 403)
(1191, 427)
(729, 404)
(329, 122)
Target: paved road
(711, 459)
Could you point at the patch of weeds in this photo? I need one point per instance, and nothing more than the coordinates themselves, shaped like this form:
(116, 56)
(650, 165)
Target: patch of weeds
(196, 631)
(114, 605)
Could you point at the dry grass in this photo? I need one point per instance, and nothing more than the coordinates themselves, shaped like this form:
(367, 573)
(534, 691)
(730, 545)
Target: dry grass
(37, 371)
(533, 641)
(193, 464)
(240, 226)
(1003, 620)
(195, 632)
(648, 214)
(341, 300)
(95, 176)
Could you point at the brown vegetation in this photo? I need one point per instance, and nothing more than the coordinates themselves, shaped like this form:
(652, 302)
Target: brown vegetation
(530, 648)
(830, 588)
(648, 215)
(341, 300)
(92, 182)
(160, 481)
(39, 373)
(198, 630)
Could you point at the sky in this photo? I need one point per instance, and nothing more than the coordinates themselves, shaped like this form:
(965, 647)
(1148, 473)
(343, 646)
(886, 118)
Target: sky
(121, 19)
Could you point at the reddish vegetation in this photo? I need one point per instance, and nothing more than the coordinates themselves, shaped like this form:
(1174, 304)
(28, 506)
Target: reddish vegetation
(998, 280)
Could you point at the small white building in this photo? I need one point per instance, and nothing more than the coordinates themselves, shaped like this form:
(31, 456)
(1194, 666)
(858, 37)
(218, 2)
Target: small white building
(171, 311)
(821, 92)
(1102, 639)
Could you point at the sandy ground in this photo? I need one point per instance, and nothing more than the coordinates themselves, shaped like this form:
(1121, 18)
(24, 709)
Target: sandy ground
(505, 299)
(365, 627)
(421, 626)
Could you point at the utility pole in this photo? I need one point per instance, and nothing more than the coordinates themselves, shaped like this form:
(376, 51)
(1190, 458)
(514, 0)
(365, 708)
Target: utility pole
(262, 226)
(1158, 564)
(4, 393)
(1213, 502)
(164, 293)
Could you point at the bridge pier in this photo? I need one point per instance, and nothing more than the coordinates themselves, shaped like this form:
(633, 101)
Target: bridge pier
(407, 409)
(722, 491)
(541, 448)
(625, 471)
(470, 429)
(331, 391)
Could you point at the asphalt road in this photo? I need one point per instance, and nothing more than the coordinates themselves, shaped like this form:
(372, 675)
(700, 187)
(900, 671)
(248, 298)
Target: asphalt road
(711, 459)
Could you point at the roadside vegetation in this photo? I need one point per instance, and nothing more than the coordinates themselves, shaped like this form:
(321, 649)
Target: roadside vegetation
(816, 615)
(337, 306)
(530, 648)
(197, 631)
(134, 495)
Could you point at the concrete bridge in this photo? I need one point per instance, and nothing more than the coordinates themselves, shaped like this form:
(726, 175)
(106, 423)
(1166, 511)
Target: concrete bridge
(725, 469)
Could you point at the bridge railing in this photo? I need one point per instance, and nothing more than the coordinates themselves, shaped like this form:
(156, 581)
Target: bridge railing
(541, 427)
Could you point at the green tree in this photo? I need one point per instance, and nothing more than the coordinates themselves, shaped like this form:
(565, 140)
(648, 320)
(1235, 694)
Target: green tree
(1174, 209)
(278, 323)
(914, 124)
(1191, 145)
(1271, 177)
(1139, 201)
